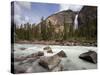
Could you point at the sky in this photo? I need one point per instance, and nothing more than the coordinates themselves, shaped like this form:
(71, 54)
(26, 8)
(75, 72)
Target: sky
(32, 12)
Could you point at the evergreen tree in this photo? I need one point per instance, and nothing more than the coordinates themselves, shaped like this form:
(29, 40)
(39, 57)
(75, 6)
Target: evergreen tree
(43, 29)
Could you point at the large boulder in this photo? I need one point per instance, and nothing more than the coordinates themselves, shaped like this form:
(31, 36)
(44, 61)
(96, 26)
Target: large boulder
(61, 54)
(35, 67)
(49, 62)
(90, 56)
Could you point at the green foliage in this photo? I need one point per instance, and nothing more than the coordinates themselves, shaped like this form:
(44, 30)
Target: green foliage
(46, 31)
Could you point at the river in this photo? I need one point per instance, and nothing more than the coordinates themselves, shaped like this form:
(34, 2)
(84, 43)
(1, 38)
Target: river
(72, 62)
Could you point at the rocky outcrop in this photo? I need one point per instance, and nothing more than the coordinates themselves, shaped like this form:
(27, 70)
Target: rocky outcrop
(90, 56)
(58, 18)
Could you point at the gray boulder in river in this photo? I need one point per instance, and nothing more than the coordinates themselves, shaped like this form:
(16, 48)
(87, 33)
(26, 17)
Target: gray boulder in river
(90, 56)
(49, 62)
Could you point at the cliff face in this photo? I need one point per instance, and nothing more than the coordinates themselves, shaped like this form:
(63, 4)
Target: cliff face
(88, 21)
(57, 20)
(87, 15)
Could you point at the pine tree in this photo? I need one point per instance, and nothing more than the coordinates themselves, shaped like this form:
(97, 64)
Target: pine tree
(43, 29)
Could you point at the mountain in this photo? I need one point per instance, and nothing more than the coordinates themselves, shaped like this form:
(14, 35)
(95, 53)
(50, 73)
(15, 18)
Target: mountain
(57, 20)
(60, 26)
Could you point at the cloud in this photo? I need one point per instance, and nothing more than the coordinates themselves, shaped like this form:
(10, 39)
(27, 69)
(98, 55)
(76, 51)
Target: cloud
(26, 18)
(19, 9)
(25, 4)
(72, 7)
(27, 12)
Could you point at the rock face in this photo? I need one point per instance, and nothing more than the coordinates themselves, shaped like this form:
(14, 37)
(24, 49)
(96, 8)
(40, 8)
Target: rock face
(87, 15)
(49, 62)
(90, 56)
(61, 54)
(58, 18)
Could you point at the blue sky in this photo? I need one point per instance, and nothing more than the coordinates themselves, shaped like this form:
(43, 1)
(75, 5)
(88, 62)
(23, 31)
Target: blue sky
(32, 12)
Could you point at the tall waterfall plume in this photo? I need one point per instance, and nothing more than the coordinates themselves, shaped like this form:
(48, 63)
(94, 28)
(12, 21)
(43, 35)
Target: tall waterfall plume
(76, 22)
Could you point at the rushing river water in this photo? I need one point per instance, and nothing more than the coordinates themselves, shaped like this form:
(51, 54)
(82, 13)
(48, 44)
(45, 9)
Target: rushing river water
(72, 62)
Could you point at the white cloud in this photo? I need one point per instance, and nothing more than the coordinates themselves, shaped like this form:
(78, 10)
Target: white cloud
(17, 8)
(72, 7)
(64, 7)
(26, 18)
(19, 17)
(25, 4)
(76, 7)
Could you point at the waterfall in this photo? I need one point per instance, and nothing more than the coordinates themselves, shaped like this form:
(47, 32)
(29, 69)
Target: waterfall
(76, 22)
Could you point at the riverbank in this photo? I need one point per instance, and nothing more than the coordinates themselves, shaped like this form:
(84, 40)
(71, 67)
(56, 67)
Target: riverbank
(57, 42)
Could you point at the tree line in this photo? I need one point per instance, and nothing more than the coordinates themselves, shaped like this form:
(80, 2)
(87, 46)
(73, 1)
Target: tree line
(46, 31)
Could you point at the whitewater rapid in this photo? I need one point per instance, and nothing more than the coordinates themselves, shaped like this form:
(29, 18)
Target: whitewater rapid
(72, 62)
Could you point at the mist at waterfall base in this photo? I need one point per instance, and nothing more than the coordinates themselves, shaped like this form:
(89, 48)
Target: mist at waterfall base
(72, 62)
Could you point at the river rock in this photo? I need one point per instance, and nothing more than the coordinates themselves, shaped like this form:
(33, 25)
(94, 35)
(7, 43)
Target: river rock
(61, 54)
(19, 59)
(22, 48)
(90, 56)
(29, 60)
(48, 49)
(35, 67)
(38, 54)
(49, 62)
(21, 68)
(57, 68)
